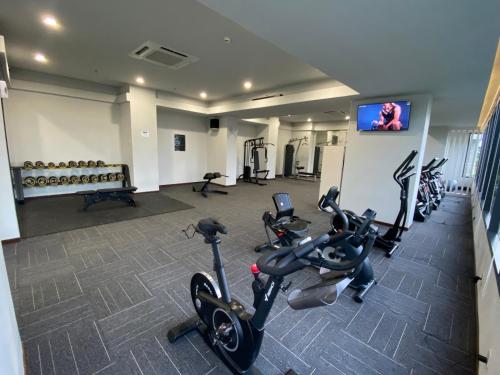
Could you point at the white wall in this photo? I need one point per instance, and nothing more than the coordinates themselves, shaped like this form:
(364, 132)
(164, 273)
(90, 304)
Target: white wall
(372, 157)
(11, 352)
(50, 127)
(8, 218)
(177, 167)
(488, 300)
(436, 142)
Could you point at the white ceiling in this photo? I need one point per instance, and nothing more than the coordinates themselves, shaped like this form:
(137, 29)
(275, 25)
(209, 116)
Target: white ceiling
(386, 47)
(97, 37)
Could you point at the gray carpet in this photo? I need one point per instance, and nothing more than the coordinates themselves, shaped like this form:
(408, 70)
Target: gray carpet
(48, 215)
(100, 300)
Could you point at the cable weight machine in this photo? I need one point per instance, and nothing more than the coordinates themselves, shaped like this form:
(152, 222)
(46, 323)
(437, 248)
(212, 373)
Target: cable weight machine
(251, 156)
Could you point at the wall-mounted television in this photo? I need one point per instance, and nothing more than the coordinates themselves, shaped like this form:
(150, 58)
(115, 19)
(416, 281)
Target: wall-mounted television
(390, 116)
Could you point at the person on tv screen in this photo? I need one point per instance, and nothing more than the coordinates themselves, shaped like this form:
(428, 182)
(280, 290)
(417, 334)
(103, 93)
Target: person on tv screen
(389, 117)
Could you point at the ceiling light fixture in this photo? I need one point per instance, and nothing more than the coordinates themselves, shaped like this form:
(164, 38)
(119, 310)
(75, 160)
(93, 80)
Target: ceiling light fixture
(247, 85)
(40, 57)
(289, 115)
(203, 95)
(140, 80)
(348, 117)
(309, 119)
(51, 22)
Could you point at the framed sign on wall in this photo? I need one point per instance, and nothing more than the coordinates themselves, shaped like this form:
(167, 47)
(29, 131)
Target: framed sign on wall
(180, 142)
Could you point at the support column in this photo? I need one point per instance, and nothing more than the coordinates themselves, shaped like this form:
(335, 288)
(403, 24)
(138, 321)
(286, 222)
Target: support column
(222, 150)
(139, 140)
(271, 136)
(371, 158)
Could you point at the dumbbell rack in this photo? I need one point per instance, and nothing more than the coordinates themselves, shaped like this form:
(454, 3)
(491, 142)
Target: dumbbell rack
(21, 191)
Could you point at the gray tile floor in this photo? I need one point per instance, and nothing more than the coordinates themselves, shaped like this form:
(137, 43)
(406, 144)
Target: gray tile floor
(100, 300)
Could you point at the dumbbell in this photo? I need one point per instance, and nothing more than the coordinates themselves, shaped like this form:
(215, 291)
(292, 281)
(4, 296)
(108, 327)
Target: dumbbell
(93, 179)
(39, 164)
(120, 176)
(84, 179)
(63, 180)
(29, 181)
(103, 178)
(41, 181)
(53, 181)
(111, 177)
(74, 180)
(51, 165)
(82, 164)
(91, 164)
(72, 164)
(28, 165)
(100, 164)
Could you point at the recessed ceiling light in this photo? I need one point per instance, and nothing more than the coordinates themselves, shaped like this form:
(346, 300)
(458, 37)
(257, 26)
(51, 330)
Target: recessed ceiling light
(348, 117)
(247, 85)
(227, 40)
(289, 115)
(140, 80)
(309, 119)
(40, 57)
(51, 21)
(203, 95)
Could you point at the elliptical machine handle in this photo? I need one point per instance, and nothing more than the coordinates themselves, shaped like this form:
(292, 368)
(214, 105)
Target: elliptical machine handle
(328, 200)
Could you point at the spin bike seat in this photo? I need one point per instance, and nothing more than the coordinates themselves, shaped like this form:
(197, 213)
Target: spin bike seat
(209, 227)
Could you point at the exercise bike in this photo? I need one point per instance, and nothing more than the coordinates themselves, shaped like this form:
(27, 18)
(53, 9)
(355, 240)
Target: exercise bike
(290, 230)
(236, 335)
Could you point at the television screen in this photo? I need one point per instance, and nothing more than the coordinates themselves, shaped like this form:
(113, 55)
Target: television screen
(394, 116)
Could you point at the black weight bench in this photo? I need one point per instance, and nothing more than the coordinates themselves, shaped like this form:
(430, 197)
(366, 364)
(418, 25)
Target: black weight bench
(123, 194)
(206, 188)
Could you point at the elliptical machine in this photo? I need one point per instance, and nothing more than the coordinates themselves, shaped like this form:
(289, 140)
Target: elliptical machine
(234, 334)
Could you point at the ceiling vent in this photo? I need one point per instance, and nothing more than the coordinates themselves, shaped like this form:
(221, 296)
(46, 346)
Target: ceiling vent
(160, 55)
(267, 96)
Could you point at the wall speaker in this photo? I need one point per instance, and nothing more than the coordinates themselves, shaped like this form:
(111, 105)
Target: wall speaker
(335, 139)
(214, 123)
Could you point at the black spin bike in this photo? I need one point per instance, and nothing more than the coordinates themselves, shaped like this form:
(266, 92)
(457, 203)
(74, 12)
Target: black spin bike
(236, 335)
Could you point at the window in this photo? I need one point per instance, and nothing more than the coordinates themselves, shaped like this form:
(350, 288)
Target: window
(472, 155)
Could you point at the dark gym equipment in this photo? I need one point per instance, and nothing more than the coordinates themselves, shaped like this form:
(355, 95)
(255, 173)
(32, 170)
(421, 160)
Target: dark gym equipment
(295, 170)
(91, 164)
(84, 179)
(287, 227)
(389, 241)
(251, 155)
(206, 188)
(120, 176)
(72, 164)
(39, 164)
(82, 164)
(64, 180)
(214, 123)
(41, 181)
(74, 179)
(28, 165)
(62, 164)
(93, 179)
(100, 164)
(103, 178)
(123, 194)
(231, 332)
(111, 177)
(53, 181)
(29, 181)
(290, 230)
(51, 165)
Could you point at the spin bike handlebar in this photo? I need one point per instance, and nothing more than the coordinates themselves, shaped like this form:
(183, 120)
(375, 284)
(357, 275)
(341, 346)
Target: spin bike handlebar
(289, 258)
